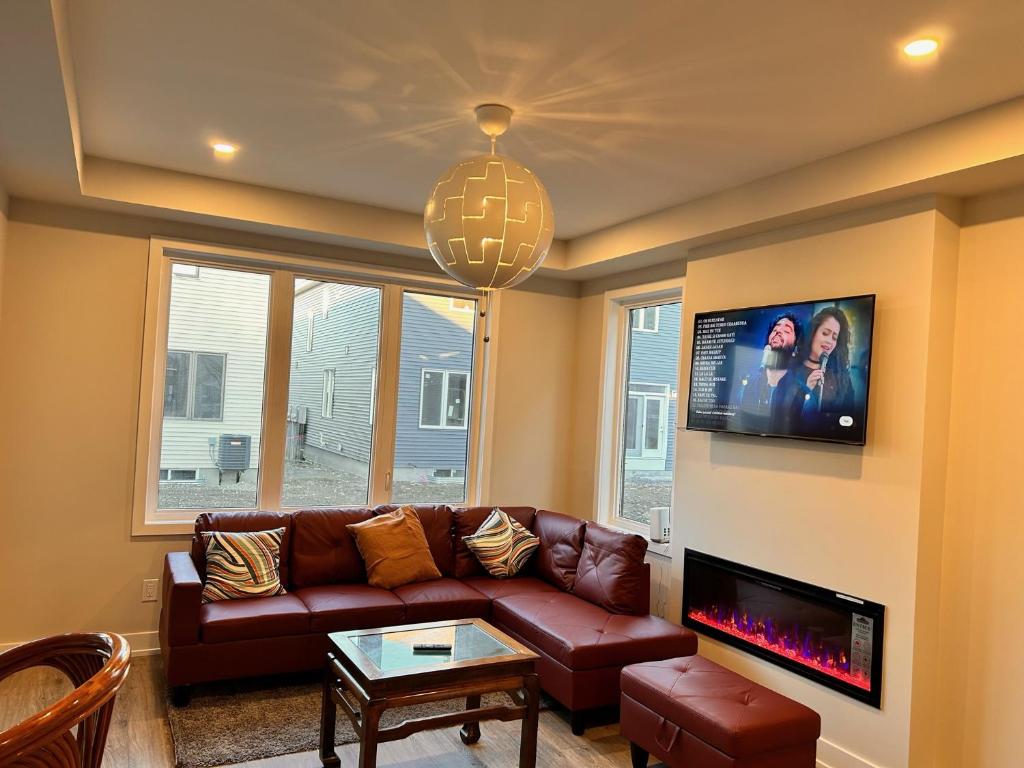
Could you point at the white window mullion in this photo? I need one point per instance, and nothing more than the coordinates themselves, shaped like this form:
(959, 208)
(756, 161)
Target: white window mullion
(275, 405)
(386, 402)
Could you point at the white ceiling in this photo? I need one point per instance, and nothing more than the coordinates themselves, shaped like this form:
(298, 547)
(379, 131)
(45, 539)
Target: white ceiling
(621, 108)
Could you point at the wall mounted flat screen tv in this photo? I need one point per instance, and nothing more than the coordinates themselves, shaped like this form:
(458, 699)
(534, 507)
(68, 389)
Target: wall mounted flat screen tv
(784, 370)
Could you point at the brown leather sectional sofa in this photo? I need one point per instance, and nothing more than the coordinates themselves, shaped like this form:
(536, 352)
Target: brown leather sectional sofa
(582, 603)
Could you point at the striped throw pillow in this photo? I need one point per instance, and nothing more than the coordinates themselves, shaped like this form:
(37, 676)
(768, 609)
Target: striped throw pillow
(501, 544)
(242, 564)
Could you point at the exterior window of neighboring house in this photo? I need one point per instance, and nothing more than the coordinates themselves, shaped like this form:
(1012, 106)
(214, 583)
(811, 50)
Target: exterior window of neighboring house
(443, 399)
(201, 445)
(645, 319)
(194, 385)
(178, 475)
(638, 407)
(327, 399)
(185, 270)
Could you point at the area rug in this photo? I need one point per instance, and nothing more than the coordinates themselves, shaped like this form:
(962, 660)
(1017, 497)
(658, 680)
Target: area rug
(237, 721)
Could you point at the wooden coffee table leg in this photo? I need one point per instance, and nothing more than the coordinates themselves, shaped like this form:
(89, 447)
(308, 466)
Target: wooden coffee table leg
(368, 743)
(528, 745)
(470, 733)
(328, 716)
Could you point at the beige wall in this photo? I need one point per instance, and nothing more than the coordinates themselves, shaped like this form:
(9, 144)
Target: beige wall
(73, 298)
(844, 517)
(982, 696)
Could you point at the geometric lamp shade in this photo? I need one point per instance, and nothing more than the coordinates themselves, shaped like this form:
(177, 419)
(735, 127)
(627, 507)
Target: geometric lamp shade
(489, 222)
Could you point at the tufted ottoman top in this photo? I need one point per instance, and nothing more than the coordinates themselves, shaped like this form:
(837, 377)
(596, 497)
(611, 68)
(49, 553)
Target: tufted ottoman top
(723, 709)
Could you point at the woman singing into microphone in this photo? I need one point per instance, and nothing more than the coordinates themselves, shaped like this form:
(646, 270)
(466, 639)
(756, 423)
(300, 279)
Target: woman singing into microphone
(817, 389)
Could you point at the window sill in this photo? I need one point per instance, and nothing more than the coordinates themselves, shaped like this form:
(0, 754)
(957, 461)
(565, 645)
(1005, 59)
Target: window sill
(661, 549)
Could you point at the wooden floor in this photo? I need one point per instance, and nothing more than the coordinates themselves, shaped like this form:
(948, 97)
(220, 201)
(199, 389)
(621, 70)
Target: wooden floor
(139, 736)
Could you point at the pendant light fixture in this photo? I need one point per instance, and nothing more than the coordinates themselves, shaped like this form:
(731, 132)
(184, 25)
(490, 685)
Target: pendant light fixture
(488, 220)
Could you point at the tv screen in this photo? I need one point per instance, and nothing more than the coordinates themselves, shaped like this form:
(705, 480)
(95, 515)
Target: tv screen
(784, 370)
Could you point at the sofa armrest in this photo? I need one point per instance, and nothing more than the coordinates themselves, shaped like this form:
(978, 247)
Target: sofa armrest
(182, 599)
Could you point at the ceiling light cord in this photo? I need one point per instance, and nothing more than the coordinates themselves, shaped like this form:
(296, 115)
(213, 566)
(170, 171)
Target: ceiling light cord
(485, 312)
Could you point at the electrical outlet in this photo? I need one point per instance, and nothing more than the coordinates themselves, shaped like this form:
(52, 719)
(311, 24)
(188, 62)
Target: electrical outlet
(150, 589)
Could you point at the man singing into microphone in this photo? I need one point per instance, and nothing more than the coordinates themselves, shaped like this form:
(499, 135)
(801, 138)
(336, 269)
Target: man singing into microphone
(813, 394)
(758, 387)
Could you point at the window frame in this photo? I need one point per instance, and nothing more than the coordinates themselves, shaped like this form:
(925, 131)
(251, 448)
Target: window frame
(613, 396)
(445, 393)
(283, 270)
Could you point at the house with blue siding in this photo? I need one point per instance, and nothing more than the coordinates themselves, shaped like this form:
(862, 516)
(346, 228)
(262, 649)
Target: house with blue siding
(333, 380)
(651, 402)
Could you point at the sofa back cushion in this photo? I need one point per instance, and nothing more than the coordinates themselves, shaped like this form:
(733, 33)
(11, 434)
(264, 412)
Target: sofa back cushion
(467, 521)
(561, 543)
(238, 522)
(612, 572)
(437, 527)
(323, 550)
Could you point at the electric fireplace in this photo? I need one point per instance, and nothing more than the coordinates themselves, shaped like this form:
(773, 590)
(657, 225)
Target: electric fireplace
(830, 637)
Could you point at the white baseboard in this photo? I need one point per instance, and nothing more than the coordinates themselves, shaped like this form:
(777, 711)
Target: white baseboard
(832, 755)
(142, 643)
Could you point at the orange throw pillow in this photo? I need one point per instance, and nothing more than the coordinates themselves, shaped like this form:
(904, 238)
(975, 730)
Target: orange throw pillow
(394, 549)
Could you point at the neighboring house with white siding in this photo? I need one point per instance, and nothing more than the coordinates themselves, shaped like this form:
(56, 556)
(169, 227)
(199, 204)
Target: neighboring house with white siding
(213, 349)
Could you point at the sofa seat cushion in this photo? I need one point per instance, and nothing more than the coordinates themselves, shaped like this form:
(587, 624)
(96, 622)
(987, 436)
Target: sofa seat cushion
(338, 607)
(224, 621)
(719, 707)
(442, 599)
(517, 585)
(581, 635)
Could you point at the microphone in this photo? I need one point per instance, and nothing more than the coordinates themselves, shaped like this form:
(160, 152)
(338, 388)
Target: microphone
(824, 364)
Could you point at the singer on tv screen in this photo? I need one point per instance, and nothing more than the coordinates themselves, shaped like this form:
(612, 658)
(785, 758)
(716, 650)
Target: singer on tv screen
(790, 370)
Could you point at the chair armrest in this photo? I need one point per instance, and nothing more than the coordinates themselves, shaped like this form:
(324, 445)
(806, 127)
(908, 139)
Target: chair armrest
(182, 599)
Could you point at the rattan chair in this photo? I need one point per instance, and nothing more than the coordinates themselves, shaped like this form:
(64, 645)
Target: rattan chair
(97, 665)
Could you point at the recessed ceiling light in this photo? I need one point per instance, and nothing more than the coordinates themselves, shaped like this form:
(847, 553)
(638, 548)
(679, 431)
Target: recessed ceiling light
(223, 149)
(923, 47)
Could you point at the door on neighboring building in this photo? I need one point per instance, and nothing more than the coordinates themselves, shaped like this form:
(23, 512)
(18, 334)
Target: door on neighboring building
(646, 426)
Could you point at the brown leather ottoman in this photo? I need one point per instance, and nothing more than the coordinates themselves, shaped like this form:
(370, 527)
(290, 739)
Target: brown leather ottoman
(690, 712)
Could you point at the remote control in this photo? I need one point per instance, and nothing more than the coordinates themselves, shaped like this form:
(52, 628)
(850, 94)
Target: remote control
(432, 648)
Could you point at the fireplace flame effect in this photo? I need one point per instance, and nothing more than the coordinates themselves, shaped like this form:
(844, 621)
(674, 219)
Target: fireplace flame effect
(790, 643)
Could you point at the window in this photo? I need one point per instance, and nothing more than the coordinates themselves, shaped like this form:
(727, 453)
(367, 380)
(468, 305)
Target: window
(185, 270)
(178, 475)
(194, 386)
(443, 399)
(388, 357)
(639, 396)
(438, 353)
(327, 400)
(462, 305)
(645, 319)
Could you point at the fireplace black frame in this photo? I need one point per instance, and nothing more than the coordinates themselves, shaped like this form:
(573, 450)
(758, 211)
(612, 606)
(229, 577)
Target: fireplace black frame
(810, 592)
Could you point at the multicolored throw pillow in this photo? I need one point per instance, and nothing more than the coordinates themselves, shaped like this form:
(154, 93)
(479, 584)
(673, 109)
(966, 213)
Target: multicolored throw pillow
(501, 544)
(242, 565)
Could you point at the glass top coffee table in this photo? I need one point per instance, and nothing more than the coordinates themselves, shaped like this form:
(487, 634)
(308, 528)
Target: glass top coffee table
(379, 670)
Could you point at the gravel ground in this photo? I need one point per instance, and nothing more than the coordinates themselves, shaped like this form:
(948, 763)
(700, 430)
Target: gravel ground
(641, 492)
(306, 485)
(311, 485)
